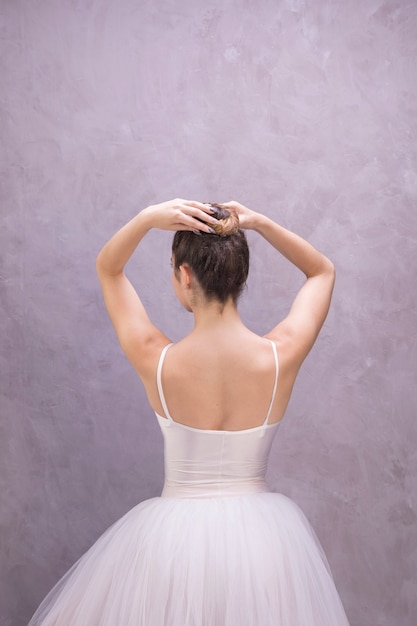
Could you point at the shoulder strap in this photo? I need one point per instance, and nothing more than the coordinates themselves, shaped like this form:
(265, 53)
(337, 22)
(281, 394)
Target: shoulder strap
(159, 381)
(274, 349)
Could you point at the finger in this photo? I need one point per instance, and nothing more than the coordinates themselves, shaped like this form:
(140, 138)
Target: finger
(199, 205)
(188, 222)
(196, 212)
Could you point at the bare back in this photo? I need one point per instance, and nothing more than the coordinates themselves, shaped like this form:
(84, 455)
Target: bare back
(221, 383)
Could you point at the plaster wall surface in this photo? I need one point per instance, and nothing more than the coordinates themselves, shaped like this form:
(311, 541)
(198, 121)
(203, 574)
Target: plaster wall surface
(305, 110)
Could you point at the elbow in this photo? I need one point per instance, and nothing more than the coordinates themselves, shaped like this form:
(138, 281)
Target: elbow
(327, 270)
(101, 268)
(330, 267)
(327, 266)
(323, 267)
(99, 264)
(330, 271)
(104, 270)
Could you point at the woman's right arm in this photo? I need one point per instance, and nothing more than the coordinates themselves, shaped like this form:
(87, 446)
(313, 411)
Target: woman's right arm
(296, 334)
(140, 340)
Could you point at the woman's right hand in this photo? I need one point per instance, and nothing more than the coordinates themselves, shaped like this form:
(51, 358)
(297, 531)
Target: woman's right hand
(179, 214)
(247, 217)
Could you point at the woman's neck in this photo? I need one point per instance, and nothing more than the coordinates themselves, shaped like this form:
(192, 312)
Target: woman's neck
(212, 314)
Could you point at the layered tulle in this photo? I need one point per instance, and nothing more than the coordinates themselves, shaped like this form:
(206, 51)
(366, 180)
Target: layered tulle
(249, 560)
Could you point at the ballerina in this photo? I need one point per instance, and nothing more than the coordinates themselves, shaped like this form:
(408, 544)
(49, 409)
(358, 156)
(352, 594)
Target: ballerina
(217, 548)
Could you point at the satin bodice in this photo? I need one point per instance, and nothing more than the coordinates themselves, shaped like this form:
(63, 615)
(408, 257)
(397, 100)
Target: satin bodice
(211, 463)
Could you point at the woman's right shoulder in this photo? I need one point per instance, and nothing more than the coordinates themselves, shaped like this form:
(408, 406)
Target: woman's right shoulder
(145, 361)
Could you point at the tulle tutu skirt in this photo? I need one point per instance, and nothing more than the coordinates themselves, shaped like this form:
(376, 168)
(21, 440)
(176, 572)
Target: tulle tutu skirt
(249, 560)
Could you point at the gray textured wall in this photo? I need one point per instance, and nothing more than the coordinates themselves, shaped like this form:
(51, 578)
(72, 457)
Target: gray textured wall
(303, 109)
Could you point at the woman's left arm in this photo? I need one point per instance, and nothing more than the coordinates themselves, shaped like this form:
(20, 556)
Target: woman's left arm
(139, 338)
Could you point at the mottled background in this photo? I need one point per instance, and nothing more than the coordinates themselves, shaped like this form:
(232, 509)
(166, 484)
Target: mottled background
(306, 110)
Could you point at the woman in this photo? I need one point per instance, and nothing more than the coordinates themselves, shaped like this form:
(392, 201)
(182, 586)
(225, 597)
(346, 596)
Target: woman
(217, 548)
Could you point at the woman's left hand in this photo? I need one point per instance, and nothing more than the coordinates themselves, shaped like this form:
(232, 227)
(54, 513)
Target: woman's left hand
(179, 214)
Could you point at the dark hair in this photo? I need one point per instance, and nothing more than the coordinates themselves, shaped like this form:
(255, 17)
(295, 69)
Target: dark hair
(220, 262)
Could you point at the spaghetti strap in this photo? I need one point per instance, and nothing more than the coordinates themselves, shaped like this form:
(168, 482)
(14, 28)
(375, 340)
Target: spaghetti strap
(274, 349)
(162, 396)
(159, 382)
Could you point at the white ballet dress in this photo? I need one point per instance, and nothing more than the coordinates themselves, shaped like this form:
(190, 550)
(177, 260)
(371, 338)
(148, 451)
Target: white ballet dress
(217, 548)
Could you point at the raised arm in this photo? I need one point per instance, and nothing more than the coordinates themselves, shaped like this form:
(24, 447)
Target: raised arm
(297, 333)
(139, 338)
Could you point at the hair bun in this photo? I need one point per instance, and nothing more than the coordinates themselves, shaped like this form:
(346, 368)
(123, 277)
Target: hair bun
(228, 220)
